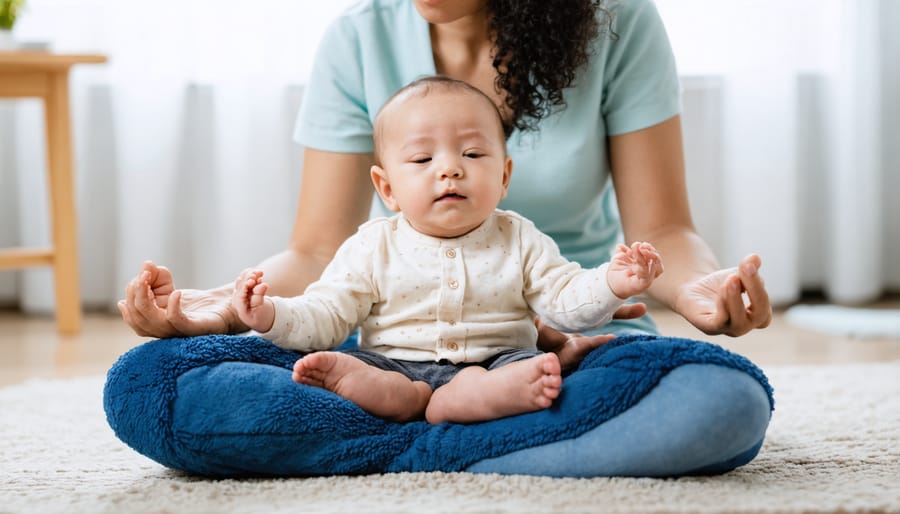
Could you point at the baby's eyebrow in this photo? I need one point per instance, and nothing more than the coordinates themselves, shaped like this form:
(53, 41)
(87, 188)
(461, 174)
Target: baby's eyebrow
(415, 141)
(474, 133)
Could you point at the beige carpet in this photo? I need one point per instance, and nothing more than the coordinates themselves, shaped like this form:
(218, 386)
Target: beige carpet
(833, 446)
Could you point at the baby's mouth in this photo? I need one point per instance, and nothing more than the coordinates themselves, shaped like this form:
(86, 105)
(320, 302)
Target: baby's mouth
(450, 196)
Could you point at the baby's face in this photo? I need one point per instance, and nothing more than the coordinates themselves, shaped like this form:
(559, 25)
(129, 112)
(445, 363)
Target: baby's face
(443, 159)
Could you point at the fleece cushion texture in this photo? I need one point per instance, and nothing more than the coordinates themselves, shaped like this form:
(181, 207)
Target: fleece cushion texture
(226, 406)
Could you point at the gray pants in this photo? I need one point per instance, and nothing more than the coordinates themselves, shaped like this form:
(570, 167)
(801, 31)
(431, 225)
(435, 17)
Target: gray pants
(436, 374)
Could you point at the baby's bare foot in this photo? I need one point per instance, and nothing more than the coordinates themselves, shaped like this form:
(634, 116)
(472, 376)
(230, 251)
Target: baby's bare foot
(545, 375)
(577, 347)
(325, 369)
(383, 393)
(476, 394)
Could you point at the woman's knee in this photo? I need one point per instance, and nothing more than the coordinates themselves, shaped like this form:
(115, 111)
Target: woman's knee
(700, 418)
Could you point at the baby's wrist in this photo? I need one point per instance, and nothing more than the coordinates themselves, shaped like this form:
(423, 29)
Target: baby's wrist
(616, 293)
(270, 312)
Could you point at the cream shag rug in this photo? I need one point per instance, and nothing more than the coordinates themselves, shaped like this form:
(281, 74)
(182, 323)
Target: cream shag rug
(833, 446)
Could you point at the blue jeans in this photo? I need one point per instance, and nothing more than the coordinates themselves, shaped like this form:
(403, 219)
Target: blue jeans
(721, 416)
(719, 424)
(638, 406)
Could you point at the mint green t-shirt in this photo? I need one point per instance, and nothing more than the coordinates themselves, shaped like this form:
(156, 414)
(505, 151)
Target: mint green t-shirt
(560, 172)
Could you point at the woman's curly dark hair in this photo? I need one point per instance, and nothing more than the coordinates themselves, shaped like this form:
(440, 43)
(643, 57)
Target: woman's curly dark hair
(539, 47)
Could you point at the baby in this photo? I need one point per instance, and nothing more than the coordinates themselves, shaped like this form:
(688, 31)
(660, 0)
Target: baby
(446, 291)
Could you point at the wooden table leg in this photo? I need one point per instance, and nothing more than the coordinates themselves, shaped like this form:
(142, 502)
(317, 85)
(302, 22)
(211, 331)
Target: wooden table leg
(64, 223)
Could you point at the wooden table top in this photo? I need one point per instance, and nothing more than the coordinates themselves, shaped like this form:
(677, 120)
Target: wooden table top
(47, 61)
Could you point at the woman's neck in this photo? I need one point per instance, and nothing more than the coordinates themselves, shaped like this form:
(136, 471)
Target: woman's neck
(462, 47)
(462, 50)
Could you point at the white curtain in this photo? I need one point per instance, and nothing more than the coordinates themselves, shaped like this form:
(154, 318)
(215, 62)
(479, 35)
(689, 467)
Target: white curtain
(184, 153)
(182, 140)
(792, 132)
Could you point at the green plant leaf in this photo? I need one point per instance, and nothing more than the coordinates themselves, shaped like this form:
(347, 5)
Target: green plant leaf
(9, 11)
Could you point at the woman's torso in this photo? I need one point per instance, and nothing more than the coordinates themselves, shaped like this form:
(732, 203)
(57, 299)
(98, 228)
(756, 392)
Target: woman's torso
(560, 175)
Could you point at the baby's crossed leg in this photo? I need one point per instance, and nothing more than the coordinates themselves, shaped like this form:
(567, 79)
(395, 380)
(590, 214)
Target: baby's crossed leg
(474, 394)
(386, 394)
(477, 394)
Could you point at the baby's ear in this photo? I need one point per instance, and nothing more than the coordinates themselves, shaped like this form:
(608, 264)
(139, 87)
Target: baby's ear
(383, 187)
(507, 174)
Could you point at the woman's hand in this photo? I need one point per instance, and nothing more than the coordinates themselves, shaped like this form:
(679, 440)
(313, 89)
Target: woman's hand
(154, 308)
(572, 348)
(717, 304)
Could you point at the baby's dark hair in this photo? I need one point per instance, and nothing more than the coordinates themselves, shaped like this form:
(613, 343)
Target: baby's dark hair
(539, 47)
(422, 87)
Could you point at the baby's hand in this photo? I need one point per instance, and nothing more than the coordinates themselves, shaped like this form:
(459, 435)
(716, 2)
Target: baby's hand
(249, 300)
(632, 270)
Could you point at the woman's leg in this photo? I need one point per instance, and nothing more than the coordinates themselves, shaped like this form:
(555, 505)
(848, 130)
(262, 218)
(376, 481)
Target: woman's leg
(226, 406)
(700, 418)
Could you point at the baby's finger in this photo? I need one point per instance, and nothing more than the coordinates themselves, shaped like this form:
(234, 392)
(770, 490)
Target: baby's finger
(638, 255)
(656, 263)
(258, 295)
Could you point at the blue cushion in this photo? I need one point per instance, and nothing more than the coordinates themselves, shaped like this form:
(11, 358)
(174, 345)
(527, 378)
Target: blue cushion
(226, 406)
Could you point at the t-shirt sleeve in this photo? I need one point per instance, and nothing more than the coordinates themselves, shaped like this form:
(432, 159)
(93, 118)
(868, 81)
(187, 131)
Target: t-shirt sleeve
(334, 116)
(641, 86)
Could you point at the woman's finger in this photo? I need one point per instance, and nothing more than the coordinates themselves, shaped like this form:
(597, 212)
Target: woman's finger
(720, 319)
(738, 319)
(137, 314)
(122, 305)
(630, 311)
(549, 339)
(179, 319)
(160, 281)
(136, 299)
(174, 313)
(760, 309)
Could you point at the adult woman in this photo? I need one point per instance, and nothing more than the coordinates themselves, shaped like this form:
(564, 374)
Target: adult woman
(587, 93)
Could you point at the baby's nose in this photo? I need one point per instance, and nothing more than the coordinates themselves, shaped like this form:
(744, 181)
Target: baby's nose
(451, 172)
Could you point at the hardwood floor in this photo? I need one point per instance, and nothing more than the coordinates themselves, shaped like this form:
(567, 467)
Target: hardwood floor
(31, 348)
